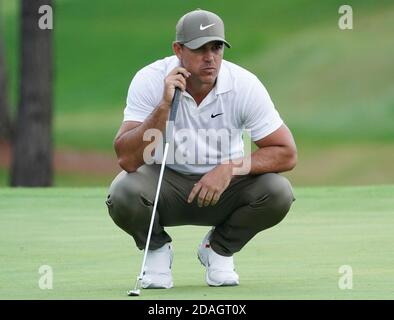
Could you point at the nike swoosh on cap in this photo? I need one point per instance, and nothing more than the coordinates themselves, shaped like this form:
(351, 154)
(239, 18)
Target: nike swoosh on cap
(206, 27)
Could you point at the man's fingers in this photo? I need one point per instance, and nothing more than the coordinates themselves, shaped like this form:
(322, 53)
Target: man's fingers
(181, 70)
(194, 191)
(215, 198)
(177, 80)
(208, 198)
(180, 79)
(177, 70)
(201, 197)
(179, 84)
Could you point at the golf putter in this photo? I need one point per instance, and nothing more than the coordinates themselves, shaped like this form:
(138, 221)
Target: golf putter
(174, 108)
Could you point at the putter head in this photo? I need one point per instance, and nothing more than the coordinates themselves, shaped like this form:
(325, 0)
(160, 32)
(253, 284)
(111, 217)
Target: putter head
(136, 291)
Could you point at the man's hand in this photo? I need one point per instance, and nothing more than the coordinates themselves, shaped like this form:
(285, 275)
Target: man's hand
(212, 185)
(176, 78)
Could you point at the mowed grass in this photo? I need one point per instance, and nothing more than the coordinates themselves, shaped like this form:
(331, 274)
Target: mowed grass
(69, 229)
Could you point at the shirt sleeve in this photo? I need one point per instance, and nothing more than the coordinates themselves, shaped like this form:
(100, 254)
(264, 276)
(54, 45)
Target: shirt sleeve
(259, 113)
(144, 94)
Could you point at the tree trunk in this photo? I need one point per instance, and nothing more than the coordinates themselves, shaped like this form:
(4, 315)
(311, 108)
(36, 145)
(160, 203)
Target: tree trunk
(32, 150)
(5, 121)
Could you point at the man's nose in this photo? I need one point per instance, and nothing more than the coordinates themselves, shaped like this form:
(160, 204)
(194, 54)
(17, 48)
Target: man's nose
(208, 55)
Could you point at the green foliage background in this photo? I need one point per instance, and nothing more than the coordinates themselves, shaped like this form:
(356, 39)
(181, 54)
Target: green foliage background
(334, 88)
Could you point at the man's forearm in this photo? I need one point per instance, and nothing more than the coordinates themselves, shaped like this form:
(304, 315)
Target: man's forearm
(273, 159)
(264, 160)
(130, 145)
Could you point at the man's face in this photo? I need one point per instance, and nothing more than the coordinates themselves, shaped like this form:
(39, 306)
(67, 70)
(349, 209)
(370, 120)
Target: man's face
(203, 63)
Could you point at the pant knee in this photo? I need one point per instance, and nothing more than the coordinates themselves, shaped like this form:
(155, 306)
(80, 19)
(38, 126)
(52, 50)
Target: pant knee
(277, 196)
(281, 193)
(126, 201)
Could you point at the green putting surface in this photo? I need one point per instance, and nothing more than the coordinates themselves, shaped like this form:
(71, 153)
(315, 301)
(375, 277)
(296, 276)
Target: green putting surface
(69, 229)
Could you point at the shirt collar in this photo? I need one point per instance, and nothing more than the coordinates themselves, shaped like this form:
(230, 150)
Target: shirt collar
(224, 81)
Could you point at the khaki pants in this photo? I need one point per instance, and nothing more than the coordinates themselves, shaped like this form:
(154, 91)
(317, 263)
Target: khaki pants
(249, 205)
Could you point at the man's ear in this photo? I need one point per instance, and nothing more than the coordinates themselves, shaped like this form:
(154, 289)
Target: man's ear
(177, 48)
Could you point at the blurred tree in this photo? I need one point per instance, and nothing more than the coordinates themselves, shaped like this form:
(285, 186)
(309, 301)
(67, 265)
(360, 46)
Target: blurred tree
(32, 149)
(5, 121)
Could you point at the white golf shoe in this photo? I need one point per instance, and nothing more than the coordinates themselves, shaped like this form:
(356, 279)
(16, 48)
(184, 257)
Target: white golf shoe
(157, 271)
(219, 269)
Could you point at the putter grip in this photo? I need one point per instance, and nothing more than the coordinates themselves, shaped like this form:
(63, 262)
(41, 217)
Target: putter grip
(174, 104)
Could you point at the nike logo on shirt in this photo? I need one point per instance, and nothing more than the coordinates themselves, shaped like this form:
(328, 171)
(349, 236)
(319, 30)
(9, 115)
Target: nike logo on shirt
(215, 115)
(206, 27)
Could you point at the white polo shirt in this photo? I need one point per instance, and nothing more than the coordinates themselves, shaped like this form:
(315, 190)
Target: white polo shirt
(238, 101)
